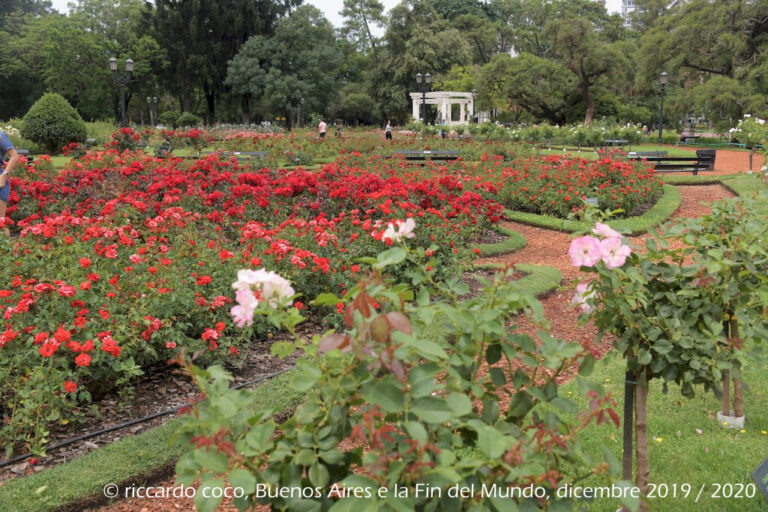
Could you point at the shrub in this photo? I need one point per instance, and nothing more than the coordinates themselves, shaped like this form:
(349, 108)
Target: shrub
(169, 118)
(415, 405)
(53, 123)
(188, 119)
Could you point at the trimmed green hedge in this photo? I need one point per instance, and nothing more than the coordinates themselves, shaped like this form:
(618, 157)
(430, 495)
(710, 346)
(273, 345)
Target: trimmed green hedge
(660, 212)
(514, 242)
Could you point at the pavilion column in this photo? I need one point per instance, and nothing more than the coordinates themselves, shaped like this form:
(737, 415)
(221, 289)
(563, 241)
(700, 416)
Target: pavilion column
(416, 116)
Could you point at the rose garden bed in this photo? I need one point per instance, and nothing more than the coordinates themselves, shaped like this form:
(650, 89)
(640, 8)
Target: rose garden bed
(137, 254)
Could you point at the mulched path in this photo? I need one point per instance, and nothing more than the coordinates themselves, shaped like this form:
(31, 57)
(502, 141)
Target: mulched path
(727, 161)
(544, 247)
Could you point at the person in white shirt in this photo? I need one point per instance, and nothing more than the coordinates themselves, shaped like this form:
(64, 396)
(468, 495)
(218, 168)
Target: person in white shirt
(322, 128)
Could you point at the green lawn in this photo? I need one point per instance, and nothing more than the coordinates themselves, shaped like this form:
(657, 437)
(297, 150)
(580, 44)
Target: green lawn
(590, 154)
(677, 453)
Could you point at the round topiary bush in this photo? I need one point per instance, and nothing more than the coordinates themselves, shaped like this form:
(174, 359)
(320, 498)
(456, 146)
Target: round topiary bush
(187, 119)
(168, 118)
(52, 123)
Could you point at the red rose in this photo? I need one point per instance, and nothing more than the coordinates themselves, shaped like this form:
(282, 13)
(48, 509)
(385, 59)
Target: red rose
(70, 386)
(83, 360)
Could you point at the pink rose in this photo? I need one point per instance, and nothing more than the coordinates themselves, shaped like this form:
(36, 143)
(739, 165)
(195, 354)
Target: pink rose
(584, 292)
(585, 251)
(613, 252)
(605, 231)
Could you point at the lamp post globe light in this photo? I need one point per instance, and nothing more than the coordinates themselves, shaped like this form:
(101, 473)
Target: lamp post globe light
(424, 82)
(663, 77)
(122, 80)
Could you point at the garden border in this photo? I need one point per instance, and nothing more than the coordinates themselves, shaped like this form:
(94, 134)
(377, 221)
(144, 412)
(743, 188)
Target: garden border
(664, 208)
(514, 242)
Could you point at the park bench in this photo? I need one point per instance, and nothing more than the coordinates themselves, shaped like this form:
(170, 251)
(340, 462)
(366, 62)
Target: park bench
(689, 138)
(615, 142)
(24, 153)
(428, 155)
(241, 156)
(646, 154)
(703, 161)
(89, 143)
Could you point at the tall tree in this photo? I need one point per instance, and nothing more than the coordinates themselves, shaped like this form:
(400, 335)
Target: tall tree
(299, 62)
(359, 15)
(201, 36)
(417, 40)
(583, 39)
(541, 87)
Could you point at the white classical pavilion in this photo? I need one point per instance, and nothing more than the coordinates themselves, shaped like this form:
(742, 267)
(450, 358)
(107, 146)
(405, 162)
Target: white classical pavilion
(446, 101)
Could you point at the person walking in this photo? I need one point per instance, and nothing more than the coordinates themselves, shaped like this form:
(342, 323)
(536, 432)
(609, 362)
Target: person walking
(6, 149)
(388, 130)
(322, 128)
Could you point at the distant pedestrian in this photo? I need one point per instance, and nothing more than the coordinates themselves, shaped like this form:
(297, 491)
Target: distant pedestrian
(6, 148)
(322, 128)
(388, 130)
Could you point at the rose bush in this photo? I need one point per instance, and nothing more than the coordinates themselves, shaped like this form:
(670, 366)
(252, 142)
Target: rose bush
(392, 401)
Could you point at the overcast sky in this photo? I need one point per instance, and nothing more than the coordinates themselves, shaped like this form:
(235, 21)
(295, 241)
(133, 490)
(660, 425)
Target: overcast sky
(331, 8)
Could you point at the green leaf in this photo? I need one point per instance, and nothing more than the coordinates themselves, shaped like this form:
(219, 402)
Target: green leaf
(259, 436)
(306, 378)
(318, 475)
(497, 376)
(387, 394)
(430, 350)
(326, 299)
(211, 460)
(432, 410)
(631, 503)
(460, 403)
(491, 442)
(243, 479)
(204, 500)
(503, 504)
(389, 257)
(417, 431)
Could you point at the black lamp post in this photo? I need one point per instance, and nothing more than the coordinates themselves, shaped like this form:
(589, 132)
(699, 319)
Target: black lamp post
(300, 119)
(424, 85)
(122, 80)
(663, 77)
(152, 104)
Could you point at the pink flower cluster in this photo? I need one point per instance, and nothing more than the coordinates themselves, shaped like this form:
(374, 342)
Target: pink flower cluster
(587, 251)
(254, 286)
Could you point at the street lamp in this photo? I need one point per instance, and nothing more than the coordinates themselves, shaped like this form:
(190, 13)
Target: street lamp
(152, 104)
(424, 84)
(122, 80)
(663, 77)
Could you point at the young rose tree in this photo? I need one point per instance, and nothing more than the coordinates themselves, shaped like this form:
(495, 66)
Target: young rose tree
(730, 248)
(664, 320)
